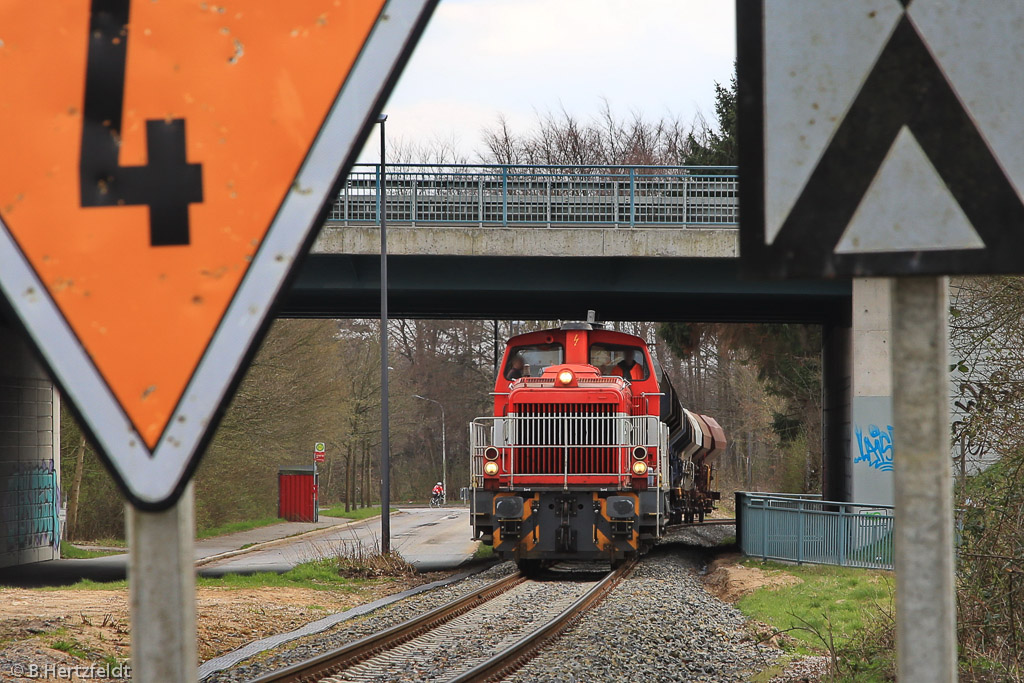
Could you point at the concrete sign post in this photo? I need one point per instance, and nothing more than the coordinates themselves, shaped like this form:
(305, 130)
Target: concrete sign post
(162, 590)
(923, 528)
(166, 166)
(881, 138)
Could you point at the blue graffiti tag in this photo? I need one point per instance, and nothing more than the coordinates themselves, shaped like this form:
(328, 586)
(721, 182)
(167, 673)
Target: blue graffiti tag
(875, 448)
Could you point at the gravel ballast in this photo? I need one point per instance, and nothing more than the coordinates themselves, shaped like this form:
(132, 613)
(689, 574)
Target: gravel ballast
(306, 648)
(659, 624)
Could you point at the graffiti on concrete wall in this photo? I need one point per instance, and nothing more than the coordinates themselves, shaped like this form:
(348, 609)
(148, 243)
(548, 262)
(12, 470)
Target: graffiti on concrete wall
(875, 447)
(29, 506)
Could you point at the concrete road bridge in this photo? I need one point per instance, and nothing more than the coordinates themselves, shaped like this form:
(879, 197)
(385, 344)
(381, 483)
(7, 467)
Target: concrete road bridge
(638, 242)
(508, 242)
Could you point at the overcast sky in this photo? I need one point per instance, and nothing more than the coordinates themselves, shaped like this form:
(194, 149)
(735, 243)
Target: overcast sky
(480, 59)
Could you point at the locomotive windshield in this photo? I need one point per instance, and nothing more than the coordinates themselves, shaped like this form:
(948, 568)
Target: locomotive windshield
(623, 361)
(531, 361)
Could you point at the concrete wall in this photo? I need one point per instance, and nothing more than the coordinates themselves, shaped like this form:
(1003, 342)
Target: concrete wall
(29, 456)
(531, 241)
(872, 438)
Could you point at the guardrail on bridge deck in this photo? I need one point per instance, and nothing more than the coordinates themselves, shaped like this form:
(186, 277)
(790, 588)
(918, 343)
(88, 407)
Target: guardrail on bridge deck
(806, 529)
(552, 196)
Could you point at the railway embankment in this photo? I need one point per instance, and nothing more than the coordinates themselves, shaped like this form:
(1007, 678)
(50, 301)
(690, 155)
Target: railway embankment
(681, 614)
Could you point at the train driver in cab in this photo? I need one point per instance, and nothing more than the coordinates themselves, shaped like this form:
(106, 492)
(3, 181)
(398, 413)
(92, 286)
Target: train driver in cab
(628, 367)
(516, 370)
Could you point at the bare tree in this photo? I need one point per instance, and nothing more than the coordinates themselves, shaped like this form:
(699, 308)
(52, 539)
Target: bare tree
(563, 139)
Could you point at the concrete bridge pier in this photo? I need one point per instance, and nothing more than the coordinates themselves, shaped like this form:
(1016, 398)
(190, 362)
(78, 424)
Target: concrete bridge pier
(857, 399)
(871, 437)
(29, 456)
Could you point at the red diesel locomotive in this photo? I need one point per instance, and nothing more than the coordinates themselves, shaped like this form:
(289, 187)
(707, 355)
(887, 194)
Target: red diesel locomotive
(588, 454)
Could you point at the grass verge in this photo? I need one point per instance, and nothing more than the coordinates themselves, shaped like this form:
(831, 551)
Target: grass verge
(354, 513)
(235, 527)
(318, 575)
(483, 552)
(71, 552)
(207, 532)
(346, 567)
(841, 612)
(88, 585)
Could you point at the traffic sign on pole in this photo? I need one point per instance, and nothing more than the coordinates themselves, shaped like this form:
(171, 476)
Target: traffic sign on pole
(165, 167)
(880, 137)
(319, 452)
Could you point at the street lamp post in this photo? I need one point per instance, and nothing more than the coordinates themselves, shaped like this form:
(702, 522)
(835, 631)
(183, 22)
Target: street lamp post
(385, 455)
(444, 455)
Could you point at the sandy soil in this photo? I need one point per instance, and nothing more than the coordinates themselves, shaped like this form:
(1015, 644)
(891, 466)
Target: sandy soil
(95, 623)
(729, 581)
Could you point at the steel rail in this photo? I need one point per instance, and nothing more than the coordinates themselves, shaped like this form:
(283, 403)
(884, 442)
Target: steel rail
(333, 662)
(706, 522)
(516, 655)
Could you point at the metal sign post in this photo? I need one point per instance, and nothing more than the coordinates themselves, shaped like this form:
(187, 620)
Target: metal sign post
(444, 450)
(385, 431)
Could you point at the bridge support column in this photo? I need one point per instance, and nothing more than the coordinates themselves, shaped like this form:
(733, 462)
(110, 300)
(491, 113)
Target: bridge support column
(870, 448)
(29, 456)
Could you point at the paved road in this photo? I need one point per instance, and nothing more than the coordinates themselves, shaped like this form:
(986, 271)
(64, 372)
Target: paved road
(431, 539)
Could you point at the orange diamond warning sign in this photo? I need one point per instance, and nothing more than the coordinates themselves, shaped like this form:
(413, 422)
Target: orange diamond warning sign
(165, 163)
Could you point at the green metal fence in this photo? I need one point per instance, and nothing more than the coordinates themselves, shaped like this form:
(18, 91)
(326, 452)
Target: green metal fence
(553, 196)
(806, 529)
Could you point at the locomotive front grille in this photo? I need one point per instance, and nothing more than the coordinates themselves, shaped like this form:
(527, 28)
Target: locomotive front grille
(566, 438)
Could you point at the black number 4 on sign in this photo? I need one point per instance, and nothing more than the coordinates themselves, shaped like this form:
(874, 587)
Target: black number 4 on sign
(167, 183)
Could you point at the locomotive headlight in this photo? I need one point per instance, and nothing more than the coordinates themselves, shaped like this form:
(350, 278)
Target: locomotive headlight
(640, 452)
(639, 468)
(491, 453)
(491, 468)
(565, 377)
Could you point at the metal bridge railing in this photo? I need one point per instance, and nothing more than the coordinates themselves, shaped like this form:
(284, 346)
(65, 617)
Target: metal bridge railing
(798, 529)
(562, 196)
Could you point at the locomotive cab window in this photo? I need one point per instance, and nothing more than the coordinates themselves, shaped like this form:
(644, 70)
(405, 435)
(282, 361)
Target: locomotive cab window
(531, 361)
(629, 362)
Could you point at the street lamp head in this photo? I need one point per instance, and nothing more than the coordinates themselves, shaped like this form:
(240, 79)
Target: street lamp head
(381, 118)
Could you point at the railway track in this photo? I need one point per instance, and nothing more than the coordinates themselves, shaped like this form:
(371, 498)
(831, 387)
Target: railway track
(482, 636)
(709, 522)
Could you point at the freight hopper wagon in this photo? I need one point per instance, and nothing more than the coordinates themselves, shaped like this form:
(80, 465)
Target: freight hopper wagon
(588, 454)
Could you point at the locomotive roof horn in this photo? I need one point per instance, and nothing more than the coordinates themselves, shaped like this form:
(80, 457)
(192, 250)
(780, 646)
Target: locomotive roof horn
(590, 324)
